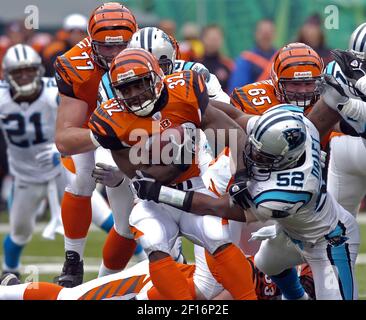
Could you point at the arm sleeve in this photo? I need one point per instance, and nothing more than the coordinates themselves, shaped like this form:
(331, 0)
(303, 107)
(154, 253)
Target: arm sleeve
(200, 92)
(355, 109)
(63, 80)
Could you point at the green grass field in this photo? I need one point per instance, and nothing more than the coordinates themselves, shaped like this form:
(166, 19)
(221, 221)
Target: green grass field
(43, 258)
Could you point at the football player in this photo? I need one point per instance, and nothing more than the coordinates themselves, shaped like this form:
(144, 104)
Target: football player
(283, 182)
(78, 73)
(131, 284)
(166, 49)
(149, 103)
(295, 70)
(347, 174)
(28, 110)
(28, 106)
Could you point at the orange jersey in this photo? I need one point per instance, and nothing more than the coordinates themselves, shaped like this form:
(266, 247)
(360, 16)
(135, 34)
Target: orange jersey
(77, 75)
(183, 99)
(256, 98)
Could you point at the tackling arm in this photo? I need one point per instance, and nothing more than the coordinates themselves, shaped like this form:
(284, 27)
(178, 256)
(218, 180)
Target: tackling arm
(164, 174)
(70, 137)
(235, 137)
(146, 187)
(323, 117)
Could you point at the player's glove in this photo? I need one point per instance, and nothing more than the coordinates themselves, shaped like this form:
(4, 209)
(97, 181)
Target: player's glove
(352, 67)
(107, 175)
(145, 186)
(49, 157)
(333, 93)
(238, 191)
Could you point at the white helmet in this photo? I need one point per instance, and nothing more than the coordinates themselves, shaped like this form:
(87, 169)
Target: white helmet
(75, 21)
(357, 42)
(276, 142)
(158, 43)
(21, 56)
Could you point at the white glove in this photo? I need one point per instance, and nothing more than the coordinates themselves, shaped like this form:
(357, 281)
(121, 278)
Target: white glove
(333, 93)
(49, 157)
(264, 233)
(107, 175)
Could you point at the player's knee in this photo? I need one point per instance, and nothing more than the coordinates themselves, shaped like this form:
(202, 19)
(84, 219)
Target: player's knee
(123, 230)
(157, 255)
(267, 266)
(82, 185)
(215, 231)
(152, 236)
(122, 226)
(151, 246)
(21, 236)
(221, 248)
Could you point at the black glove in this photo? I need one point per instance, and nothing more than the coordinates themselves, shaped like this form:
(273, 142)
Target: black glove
(145, 186)
(239, 190)
(352, 67)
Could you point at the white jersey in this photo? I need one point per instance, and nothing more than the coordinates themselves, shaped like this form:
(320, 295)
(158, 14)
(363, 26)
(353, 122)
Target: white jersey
(214, 89)
(213, 85)
(334, 69)
(295, 198)
(28, 130)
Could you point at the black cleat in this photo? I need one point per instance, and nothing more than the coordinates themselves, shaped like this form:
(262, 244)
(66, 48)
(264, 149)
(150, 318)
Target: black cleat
(9, 279)
(72, 271)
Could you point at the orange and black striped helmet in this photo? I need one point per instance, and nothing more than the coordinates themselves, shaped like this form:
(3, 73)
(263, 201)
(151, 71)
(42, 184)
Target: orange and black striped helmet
(137, 80)
(110, 27)
(300, 65)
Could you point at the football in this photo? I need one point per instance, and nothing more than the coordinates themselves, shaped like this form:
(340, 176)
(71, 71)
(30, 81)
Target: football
(170, 146)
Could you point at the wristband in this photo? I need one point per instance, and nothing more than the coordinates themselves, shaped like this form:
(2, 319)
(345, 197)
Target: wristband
(176, 198)
(93, 140)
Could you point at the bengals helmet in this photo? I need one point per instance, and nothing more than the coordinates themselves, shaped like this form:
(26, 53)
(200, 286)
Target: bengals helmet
(110, 27)
(295, 71)
(136, 80)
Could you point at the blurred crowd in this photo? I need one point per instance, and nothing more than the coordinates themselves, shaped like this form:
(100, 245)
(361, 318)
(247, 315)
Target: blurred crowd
(205, 45)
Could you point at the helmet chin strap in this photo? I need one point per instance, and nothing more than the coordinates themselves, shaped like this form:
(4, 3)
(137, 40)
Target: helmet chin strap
(148, 106)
